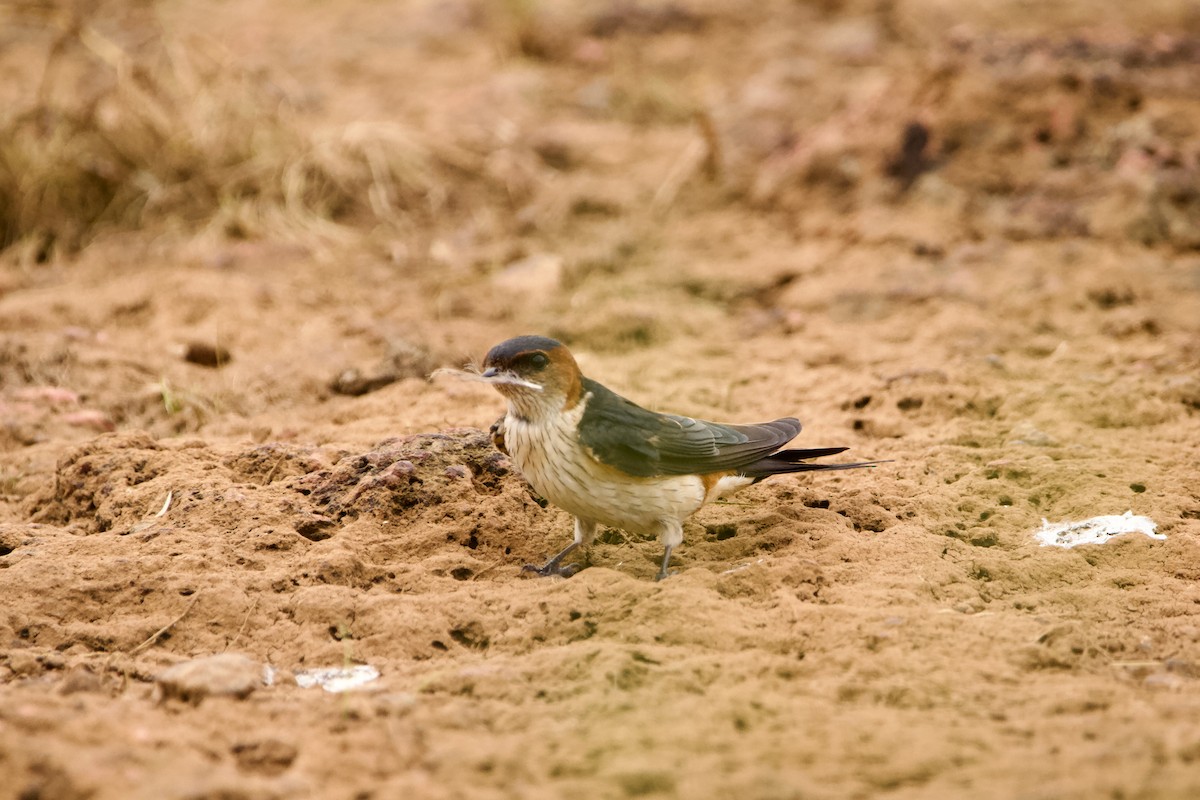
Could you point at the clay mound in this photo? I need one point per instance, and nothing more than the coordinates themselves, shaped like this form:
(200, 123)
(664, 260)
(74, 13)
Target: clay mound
(404, 473)
(282, 496)
(134, 515)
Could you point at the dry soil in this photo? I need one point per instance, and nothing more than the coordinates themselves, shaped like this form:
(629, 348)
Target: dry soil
(960, 236)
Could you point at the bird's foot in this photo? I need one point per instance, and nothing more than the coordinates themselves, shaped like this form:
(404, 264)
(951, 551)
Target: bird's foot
(497, 434)
(554, 565)
(553, 569)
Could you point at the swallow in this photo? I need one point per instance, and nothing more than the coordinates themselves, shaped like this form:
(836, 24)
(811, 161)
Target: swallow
(607, 461)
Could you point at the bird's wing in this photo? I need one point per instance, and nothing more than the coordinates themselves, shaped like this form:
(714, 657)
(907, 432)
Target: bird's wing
(640, 442)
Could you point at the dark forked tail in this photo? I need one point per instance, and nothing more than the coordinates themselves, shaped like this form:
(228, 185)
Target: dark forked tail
(786, 461)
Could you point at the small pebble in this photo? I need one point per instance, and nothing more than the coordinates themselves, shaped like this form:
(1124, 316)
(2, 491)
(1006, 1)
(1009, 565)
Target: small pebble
(206, 355)
(228, 674)
(80, 678)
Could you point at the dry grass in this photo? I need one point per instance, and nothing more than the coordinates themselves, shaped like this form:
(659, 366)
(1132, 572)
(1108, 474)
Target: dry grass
(130, 127)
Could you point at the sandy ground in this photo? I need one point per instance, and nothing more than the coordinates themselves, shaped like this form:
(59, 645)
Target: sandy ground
(961, 238)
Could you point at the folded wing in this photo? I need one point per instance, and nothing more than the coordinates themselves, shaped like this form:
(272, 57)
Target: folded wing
(640, 442)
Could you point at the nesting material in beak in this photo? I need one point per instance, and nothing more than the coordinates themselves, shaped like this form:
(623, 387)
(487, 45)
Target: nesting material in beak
(488, 376)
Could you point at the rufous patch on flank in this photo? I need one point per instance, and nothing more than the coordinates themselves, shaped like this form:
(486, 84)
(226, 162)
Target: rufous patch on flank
(711, 479)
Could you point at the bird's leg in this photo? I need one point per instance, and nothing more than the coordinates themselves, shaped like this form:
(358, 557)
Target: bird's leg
(671, 535)
(585, 531)
(662, 571)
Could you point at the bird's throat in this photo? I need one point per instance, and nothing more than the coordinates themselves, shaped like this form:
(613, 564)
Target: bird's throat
(533, 407)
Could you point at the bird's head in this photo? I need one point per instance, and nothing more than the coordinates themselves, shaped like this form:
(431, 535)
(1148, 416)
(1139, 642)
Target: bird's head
(537, 375)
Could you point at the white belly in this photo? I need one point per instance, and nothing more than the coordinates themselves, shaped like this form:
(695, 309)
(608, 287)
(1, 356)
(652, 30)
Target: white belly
(560, 470)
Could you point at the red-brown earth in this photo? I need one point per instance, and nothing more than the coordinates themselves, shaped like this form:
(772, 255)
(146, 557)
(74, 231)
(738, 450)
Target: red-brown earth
(964, 237)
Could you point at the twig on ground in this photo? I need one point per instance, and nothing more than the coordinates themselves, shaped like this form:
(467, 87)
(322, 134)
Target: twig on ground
(245, 622)
(166, 504)
(154, 636)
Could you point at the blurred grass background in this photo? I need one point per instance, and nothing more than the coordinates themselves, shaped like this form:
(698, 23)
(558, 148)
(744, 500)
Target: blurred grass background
(121, 124)
(113, 119)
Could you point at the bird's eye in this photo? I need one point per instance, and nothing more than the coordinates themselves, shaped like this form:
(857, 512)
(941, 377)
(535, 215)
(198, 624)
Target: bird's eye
(538, 360)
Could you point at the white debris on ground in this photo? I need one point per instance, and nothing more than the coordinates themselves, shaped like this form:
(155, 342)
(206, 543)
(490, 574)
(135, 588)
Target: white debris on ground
(1096, 530)
(337, 679)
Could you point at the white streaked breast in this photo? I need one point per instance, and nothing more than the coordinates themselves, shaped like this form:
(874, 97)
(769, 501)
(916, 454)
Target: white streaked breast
(557, 466)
